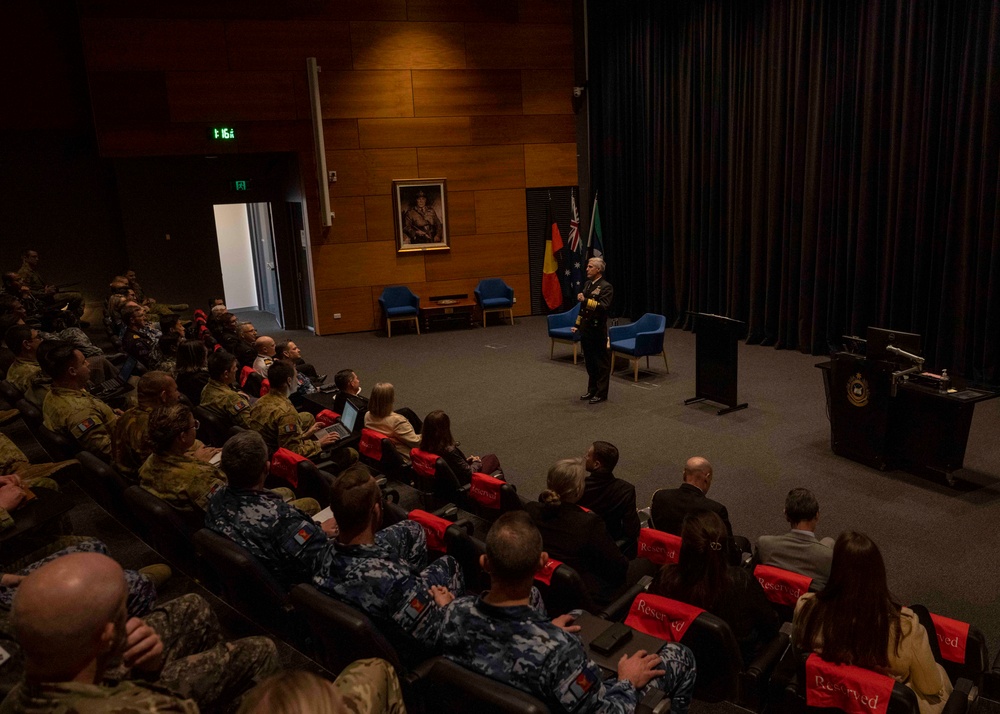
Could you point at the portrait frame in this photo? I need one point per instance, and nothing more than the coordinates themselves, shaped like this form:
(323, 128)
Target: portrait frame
(420, 231)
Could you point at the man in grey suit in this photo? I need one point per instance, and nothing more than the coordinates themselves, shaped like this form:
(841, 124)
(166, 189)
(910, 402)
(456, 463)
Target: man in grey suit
(799, 550)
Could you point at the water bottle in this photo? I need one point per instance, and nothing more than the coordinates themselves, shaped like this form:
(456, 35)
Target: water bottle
(945, 381)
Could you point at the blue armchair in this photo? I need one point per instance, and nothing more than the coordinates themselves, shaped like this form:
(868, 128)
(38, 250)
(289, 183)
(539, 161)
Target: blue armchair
(561, 330)
(642, 338)
(494, 295)
(399, 304)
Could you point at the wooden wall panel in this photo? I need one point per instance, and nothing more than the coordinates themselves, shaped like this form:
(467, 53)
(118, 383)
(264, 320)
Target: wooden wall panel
(518, 46)
(230, 96)
(554, 11)
(143, 44)
(539, 129)
(353, 265)
(480, 256)
(354, 10)
(408, 45)
(157, 140)
(501, 211)
(466, 92)
(340, 134)
(380, 218)
(550, 165)
(354, 306)
(461, 212)
(461, 286)
(461, 10)
(393, 133)
(474, 167)
(286, 45)
(264, 136)
(349, 222)
(129, 98)
(547, 91)
(370, 93)
(370, 171)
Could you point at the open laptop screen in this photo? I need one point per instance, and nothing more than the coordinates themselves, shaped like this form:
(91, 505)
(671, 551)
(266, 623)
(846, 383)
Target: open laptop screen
(350, 415)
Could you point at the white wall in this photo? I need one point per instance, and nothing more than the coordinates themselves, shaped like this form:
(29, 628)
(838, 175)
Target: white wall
(233, 230)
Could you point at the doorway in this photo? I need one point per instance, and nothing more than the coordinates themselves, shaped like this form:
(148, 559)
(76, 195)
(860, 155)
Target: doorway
(249, 263)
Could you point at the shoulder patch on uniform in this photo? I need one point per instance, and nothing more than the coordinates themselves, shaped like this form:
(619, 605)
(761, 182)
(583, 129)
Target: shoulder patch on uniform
(240, 405)
(577, 686)
(413, 610)
(298, 538)
(86, 425)
(289, 429)
(215, 489)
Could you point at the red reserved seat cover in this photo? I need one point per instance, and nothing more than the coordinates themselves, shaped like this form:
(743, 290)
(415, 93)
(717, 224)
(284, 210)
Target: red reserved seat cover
(434, 527)
(327, 417)
(782, 587)
(661, 617)
(424, 462)
(371, 444)
(485, 490)
(285, 465)
(544, 573)
(244, 373)
(659, 547)
(265, 387)
(845, 687)
(952, 637)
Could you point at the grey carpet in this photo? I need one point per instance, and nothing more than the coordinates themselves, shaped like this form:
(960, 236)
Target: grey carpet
(505, 395)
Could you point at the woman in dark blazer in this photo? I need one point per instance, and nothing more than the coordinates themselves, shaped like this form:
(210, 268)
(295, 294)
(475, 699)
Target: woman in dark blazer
(575, 536)
(436, 439)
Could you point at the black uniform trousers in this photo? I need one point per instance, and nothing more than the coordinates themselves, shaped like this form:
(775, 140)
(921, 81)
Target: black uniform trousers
(594, 341)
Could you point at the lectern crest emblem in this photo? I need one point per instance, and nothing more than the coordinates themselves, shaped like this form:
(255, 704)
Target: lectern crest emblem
(857, 390)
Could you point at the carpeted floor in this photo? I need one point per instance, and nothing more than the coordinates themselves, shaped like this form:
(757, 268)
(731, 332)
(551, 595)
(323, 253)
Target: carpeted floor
(505, 395)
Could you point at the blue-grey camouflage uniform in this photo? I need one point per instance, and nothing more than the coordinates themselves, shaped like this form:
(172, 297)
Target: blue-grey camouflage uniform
(389, 579)
(285, 540)
(521, 647)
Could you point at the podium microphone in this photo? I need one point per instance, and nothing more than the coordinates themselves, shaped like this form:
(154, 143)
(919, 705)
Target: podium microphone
(903, 353)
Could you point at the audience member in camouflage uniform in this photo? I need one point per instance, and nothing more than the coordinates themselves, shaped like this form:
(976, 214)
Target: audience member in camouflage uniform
(129, 443)
(285, 539)
(367, 686)
(70, 619)
(68, 407)
(25, 373)
(505, 634)
(274, 417)
(29, 275)
(383, 573)
(13, 461)
(219, 397)
(141, 587)
(169, 473)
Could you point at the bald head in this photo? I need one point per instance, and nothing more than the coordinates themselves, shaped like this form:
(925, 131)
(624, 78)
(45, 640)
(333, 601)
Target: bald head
(69, 613)
(265, 346)
(155, 388)
(698, 472)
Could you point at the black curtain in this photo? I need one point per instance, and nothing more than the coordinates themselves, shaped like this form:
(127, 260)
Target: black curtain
(810, 167)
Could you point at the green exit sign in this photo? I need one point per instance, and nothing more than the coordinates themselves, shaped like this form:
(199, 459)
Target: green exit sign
(240, 185)
(222, 133)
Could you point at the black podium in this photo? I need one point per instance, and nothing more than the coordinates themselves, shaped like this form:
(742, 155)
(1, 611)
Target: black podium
(717, 360)
(922, 429)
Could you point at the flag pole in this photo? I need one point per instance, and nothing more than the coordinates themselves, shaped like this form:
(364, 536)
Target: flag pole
(590, 233)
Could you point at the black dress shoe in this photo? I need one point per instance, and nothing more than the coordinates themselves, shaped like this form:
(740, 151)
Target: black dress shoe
(585, 397)
(598, 400)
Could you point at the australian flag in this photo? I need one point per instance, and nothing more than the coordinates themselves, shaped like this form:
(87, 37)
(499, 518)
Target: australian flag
(573, 260)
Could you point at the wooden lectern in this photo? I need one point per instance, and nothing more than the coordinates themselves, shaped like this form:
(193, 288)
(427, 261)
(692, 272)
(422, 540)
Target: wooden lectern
(717, 360)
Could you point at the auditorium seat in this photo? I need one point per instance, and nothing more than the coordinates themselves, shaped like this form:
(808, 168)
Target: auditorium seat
(562, 589)
(494, 295)
(377, 451)
(10, 393)
(104, 484)
(783, 588)
(958, 646)
(435, 480)
(29, 412)
(167, 529)
(213, 428)
(399, 304)
(58, 444)
(449, 688)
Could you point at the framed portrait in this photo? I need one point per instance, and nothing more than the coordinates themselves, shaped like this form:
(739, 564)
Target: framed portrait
(421, 210)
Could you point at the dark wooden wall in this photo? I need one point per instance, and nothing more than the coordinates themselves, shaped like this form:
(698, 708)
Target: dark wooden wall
(475, 92)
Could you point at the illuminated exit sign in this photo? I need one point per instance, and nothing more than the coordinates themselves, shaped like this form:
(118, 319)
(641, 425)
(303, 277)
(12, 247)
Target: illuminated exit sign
(240, 185)
(222, 133)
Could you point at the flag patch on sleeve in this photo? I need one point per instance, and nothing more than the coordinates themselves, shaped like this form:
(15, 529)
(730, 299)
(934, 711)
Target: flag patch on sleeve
(288, 429)
(240, 406)
(577, 686)
(84, 426)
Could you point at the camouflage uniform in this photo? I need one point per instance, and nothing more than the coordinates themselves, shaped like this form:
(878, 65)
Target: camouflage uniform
(84, 416)
(27, 275)
(13, 461)
(129, 449)
(286, 541)
(370, 686)
(281, 426)
(225, 401)
(141, 591)
(27, 376)
(73, 698)
(200, 670)
(519, 646)
(389, 579)
(181, 481)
